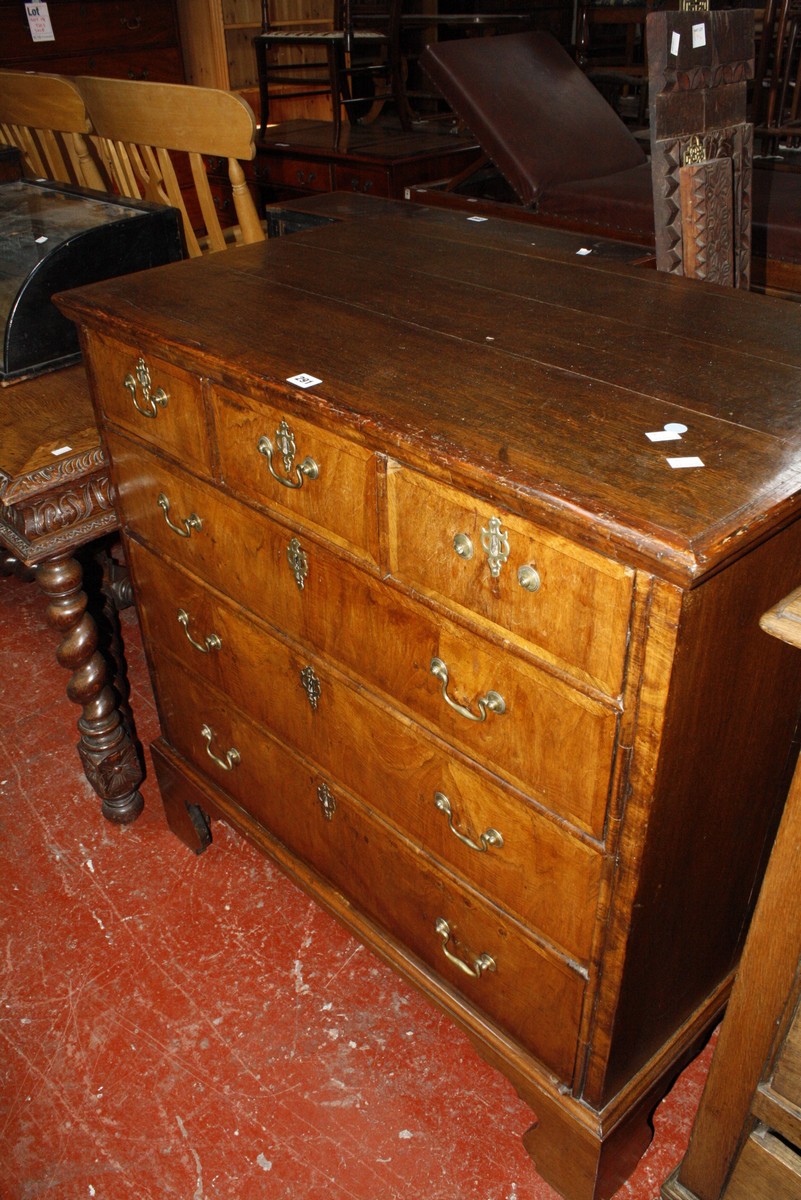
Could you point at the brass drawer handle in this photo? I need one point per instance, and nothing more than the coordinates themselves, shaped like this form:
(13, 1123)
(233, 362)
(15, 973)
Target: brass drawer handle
(490, 837)
(463, 546)
(189, 523)
(529, 578)
(153, 401)
(480, 964)
(232, 756)
(285, 442)
(491, 702)
(212, 642)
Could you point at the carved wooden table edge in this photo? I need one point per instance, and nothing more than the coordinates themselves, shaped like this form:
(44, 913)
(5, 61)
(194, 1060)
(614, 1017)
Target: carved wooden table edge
(47, 514)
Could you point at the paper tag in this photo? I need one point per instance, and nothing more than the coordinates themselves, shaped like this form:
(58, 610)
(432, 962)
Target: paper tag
(671, 433)
(584, 250)
(699, 36)
(61, 450)
(675, 42)
(478, 218)
(41, 239)
(304, 381)
(680, 463)
(39, 22)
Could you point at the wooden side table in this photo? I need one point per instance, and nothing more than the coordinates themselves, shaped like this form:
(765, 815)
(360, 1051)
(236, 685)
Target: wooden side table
(54, 498)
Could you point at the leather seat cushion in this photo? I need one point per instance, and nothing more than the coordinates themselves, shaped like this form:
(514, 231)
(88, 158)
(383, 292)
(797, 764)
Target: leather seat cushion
(621, 206)
(534, 113)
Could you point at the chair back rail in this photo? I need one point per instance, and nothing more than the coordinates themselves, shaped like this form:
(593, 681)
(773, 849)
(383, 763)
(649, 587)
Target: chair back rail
(45, 117)
(154, 139)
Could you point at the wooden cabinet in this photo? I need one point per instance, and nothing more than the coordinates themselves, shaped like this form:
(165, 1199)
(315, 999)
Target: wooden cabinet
(127, 39)
(434, 623)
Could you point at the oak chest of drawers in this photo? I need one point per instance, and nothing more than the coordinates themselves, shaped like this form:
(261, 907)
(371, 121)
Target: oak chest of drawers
(433, 621)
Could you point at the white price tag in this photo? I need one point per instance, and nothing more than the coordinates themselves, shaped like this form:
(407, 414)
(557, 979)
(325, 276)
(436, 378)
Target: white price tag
(671, 433)
(39, 22)
(304, 381)
(675, 42)
(680, 464)
(699, 36)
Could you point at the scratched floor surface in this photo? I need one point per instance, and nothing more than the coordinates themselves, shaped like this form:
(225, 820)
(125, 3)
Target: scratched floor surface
(181, 1028)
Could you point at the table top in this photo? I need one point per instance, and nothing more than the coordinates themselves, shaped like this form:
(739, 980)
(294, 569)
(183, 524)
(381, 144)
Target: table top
(501, 361)
(44, 423)
(54, 480)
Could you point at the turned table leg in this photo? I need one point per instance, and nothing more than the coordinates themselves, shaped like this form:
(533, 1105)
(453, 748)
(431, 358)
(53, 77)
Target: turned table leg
(109, 758)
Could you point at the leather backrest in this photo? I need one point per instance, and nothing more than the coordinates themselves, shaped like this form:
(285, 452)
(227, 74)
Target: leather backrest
(533, 111)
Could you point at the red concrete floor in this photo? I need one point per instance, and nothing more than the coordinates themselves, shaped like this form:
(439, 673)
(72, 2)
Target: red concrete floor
(196, 1028)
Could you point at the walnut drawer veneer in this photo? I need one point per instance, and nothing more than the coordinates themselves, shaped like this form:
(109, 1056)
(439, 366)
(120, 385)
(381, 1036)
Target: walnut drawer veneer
(448, 638)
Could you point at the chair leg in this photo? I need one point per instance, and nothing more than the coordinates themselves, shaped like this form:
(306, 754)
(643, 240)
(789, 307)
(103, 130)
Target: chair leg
(264, 93)
(337, 73)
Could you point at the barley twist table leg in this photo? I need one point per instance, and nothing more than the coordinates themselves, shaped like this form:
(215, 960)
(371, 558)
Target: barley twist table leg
(109, 758)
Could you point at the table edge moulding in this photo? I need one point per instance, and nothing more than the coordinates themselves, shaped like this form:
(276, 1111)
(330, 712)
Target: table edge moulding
(449, 552)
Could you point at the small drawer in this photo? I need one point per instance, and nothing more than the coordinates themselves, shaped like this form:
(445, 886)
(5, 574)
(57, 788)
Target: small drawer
(302, 472)
(482, 954)
(158, 402)
(489, 835)
(571, 604)
(368, 183)
(300, 173)
(767, 1168)
(540, 734)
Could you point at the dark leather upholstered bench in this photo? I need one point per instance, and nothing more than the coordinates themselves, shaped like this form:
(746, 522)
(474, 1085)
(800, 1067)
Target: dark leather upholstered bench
(570, 159)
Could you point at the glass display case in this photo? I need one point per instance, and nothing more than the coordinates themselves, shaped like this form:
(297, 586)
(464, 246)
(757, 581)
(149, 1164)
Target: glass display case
(54, 237)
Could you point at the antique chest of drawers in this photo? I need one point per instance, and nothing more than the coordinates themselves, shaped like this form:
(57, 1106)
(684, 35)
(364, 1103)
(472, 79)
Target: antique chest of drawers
(434, 622)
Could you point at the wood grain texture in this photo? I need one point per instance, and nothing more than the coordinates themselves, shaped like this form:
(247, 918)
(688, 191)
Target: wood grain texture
(472, 384)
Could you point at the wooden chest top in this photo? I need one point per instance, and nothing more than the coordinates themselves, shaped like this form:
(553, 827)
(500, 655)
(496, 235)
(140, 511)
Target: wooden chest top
(532, 376)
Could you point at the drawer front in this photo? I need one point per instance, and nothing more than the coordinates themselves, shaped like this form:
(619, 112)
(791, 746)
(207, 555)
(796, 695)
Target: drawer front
(91, 25)
(767, 1168)
(369, 183)
(534, 995)
(293, 172)
(156, 401)
(550, 740)
(493, 838)
(302, 472)
(570, 603)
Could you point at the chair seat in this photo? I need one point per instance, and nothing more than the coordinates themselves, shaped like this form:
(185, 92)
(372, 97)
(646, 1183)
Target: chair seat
(621, 206)
(321, 37)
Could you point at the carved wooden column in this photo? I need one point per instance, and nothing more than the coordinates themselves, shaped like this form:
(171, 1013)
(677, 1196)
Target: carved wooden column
(55, 497)
(109, 758)
(701, 144)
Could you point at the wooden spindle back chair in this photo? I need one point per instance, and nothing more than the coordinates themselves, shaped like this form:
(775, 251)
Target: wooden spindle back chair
(777, 84)
(154, 136)
(340, 56)
(45, 117)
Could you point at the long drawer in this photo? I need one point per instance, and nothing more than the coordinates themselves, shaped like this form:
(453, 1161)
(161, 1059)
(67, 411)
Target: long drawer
(550, 739)
(488, 957)
(493, 837)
